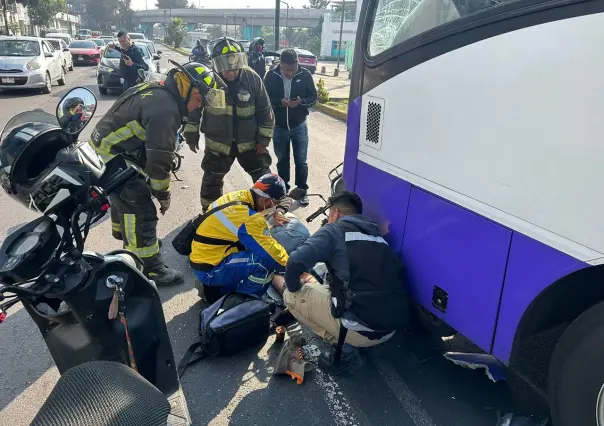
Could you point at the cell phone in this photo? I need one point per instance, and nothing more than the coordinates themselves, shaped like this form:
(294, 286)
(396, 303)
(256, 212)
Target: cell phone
(126, 57)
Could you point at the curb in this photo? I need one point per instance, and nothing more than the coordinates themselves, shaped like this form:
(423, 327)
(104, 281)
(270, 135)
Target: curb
(332, 112)
(177, 49)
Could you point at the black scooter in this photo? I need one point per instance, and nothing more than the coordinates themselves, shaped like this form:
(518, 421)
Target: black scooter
(92, 307)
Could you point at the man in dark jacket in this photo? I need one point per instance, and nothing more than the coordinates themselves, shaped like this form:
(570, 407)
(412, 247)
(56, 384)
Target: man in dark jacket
(131, 61)
(365, 298)
(241, 129)
(141, 125)
(292, 91)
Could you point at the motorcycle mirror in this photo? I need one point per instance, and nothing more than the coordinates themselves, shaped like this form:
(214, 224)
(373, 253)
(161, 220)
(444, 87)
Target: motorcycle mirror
(75, 110)
(141, 73)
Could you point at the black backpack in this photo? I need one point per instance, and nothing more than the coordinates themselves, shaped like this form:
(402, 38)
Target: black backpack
(231, 324)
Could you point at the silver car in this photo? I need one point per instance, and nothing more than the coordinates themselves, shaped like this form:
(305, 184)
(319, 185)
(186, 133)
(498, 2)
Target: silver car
(30, 63)
(61, 46)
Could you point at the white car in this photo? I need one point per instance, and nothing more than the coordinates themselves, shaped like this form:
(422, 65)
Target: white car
(62, 47)
(30, 63)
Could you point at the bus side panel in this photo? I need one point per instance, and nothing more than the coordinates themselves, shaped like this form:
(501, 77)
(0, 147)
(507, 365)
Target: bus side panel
(353, 128)
(532, 266)
(463, 254)
(385, 200)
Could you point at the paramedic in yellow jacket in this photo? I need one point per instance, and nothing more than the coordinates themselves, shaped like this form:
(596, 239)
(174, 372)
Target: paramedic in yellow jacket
(233, 248)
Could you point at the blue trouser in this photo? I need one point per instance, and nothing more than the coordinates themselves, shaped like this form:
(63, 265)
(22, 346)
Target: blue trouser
(299, 142)
(243, 272)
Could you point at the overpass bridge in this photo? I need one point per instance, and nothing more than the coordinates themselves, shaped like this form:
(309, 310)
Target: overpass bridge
(301, 18)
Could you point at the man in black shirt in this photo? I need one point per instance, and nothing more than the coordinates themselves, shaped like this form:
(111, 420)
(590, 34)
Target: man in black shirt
(131, 61)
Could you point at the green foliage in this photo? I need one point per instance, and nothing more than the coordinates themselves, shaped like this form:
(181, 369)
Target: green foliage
(215, 31)
(322, 94)
(314, 45)
(102, 15)
(171, 4)
(317, 4)
(42, 11)
(177, 31)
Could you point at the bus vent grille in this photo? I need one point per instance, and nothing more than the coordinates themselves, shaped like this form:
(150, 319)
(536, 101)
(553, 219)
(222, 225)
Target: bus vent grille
(374, 115)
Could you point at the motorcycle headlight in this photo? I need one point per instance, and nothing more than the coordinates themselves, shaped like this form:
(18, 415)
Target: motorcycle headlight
(34, 64)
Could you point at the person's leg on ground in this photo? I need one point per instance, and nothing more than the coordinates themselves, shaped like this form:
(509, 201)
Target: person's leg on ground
(256, 165)
(138, 222)
(281, 146)
(299, 140)
(215, 166)
(243, 272)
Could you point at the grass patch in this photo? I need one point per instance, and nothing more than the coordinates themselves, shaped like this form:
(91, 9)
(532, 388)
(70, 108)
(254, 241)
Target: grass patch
(340, 105)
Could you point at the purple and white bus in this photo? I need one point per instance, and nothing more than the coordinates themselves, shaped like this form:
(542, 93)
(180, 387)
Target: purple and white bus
(476, 139)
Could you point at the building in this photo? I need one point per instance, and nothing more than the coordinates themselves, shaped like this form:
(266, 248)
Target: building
(330, 34)
(19, 23)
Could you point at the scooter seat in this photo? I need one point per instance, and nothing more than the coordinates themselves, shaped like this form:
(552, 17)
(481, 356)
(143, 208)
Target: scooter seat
(103, 393)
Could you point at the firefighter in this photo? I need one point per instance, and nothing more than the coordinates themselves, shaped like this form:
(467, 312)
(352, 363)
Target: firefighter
(241, 130)
(142, 126)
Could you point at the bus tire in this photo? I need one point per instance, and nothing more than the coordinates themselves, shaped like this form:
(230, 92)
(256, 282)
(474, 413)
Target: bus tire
(576, 371)
(430, 322)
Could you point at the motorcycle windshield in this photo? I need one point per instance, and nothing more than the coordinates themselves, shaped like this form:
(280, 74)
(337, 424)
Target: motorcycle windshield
(28, 117)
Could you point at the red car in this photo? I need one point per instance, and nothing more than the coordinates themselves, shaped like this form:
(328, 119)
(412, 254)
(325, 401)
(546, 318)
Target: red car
(85, 52)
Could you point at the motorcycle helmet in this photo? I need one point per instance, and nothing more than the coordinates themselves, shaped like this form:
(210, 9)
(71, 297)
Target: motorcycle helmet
(228, 55)
(41, 169)
(194, 75)
(72, 103)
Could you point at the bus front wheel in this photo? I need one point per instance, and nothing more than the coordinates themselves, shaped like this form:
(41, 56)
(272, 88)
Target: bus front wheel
(576, 372)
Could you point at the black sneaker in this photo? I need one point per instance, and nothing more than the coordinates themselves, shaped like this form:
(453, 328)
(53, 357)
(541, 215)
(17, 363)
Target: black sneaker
(350, 360)
(304, 201)
(165, 277)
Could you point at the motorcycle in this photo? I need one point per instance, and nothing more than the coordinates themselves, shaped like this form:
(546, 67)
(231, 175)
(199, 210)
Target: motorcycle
(89, 307)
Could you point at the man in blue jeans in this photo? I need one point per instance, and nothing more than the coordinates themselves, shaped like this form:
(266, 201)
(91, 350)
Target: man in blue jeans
(292, 91)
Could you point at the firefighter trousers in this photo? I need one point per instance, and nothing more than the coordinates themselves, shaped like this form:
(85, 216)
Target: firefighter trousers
(134, 221)
(215, 166)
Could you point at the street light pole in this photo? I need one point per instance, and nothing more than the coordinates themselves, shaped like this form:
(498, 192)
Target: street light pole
(286, 23)
(341, 29)
(276, 30)
(226, 21)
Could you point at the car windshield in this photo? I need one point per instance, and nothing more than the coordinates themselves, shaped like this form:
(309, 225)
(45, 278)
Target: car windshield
(114, 54)
(82, 45)
(28, 117)
(149, 45)
(98, 42)
(55, 44)
(19, 48)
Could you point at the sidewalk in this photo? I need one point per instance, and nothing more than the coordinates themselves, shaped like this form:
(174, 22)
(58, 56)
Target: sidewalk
(338, 87)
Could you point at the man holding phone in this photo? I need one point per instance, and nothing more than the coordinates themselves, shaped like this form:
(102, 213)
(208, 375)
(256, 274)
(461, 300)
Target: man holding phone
(131, 61)
(292, 91)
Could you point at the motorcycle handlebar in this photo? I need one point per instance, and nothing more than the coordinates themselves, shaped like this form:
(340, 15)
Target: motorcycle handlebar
(316, 214)
(120, 179)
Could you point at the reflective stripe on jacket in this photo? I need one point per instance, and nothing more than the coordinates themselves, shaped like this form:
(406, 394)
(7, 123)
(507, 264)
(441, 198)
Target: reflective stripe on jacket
(254, 118)
(142, 125)
(237, 224)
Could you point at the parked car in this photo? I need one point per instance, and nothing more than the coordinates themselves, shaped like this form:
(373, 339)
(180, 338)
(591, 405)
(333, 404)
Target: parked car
(108, 70)
(62, 36)
(137, 36)
(99, 42)
(95, 34)
(30, 63)
(108, 39)
(85, 52)
(62, 47)
(153, 52)
(306, 59)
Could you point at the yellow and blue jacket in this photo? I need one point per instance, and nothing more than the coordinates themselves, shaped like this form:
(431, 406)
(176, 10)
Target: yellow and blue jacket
(233, 229)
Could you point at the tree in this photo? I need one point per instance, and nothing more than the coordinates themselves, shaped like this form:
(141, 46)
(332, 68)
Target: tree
(215, 31)
(100, 15)
(40, 12)
(317, 4)
(314, 45)
(177, 31)
(6, 29)
(171, 4)
(124, 15)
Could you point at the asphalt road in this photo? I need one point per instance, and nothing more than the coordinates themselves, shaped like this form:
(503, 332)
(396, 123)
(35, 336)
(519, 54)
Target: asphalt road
(406, 382)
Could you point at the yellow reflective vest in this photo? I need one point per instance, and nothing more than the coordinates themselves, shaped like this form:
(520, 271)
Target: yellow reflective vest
(233, 229)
